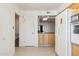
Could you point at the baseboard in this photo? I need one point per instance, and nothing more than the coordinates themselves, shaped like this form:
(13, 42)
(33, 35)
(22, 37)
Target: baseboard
(56, 53)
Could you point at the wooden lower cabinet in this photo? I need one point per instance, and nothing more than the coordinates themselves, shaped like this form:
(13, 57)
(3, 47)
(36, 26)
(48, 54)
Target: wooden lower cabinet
(40, 39)
(46, 39)
(75, 50)
(51, 39)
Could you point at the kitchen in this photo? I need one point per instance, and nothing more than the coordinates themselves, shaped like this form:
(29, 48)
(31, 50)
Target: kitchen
(46, 31)
(62, 42)
(67, 32)
(68, 29)
(63, 37)
(75, 29)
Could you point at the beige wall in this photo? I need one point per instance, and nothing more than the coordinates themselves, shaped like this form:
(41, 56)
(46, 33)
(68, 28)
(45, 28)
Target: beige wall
(7, 33)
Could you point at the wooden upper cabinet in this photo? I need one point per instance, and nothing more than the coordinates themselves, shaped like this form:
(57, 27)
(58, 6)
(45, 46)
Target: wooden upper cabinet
(75, 8)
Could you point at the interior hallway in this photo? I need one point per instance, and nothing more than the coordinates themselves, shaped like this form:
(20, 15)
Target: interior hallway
(34, 51)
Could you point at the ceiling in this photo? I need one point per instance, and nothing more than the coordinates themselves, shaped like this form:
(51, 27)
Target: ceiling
(39, 6)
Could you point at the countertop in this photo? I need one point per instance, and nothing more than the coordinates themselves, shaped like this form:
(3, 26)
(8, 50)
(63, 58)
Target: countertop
(75, 41)
(46, 32)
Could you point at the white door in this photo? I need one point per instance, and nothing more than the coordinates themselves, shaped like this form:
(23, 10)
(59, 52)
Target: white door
(27, 31)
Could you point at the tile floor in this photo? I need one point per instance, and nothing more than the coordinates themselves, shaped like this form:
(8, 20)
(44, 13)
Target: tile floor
(35, 51)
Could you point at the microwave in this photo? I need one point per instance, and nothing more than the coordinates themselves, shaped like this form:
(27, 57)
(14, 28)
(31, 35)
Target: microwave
(75, 24)
(75, 18)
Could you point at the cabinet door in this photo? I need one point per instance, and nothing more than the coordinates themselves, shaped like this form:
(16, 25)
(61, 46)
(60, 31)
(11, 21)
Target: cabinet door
(46, 37)
(51, 39)
(75, 50)
(75, 8)
(41, 39)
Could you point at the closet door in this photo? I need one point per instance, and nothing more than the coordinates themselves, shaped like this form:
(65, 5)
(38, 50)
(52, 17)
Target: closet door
(27, 31)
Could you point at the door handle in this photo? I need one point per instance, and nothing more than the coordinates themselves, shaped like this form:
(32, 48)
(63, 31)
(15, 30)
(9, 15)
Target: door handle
(32, 33)
(13, 27)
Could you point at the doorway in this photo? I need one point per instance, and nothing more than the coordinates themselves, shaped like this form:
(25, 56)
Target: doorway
(16, 30)
(46, 31)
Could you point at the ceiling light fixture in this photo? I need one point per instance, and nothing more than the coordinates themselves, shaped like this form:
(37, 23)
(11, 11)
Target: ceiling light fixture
(44, 19)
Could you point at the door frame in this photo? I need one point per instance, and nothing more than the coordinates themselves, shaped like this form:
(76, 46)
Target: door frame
(15, 27)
